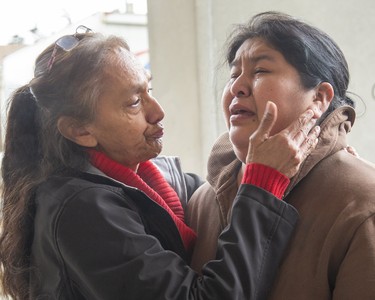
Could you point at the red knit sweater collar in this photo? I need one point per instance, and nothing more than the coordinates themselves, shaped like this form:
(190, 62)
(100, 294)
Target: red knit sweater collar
(149, 180)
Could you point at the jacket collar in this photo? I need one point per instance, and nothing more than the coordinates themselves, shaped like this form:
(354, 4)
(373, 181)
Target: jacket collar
(222, 165)
(332, 139)
(91, 170)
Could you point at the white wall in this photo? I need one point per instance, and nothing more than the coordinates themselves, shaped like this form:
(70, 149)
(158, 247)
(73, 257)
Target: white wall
(186, 39)
(175, 82)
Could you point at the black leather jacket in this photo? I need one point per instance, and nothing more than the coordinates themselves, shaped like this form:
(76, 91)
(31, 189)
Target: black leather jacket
(95, 238)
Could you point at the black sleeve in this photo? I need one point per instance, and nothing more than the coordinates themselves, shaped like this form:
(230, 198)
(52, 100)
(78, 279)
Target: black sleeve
(252, 245)
(108, 255)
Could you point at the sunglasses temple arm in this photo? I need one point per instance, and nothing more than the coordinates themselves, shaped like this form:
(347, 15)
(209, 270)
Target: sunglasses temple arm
(52, 59)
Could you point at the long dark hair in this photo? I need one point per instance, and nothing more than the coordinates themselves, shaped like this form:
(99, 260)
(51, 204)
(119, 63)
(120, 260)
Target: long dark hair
(314, 54)
(34, 147)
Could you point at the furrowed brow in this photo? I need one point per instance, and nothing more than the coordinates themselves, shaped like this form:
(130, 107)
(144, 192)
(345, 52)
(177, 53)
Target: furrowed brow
(258, 58)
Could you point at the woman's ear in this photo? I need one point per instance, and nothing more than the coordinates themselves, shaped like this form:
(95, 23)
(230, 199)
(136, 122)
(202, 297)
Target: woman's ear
(75, 131)
(323, 97)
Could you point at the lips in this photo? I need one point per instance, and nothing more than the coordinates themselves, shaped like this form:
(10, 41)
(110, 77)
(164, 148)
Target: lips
(158, 133)
(238, 112)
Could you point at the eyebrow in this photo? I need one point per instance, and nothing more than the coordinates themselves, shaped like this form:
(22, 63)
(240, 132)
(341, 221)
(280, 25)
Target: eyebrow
(253, 59)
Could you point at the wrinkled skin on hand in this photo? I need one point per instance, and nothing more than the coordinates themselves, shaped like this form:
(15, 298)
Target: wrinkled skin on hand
(286, 150)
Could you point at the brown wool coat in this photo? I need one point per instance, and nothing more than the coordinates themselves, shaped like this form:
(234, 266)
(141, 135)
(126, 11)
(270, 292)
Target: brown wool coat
(332, 254)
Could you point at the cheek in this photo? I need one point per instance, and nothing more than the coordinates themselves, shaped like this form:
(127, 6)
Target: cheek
(288, 112)
(225, 102)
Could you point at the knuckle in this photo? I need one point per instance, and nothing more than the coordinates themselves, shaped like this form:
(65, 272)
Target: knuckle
(310, 141)
(296, 158)
(294, 153)
(292, 147)
(301, 121)
(283, 139)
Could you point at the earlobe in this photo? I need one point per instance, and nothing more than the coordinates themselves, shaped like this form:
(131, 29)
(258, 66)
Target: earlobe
(71, 129)
(323, 97)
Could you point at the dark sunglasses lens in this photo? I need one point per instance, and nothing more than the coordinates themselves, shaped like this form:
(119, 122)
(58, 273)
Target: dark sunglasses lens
(67, 43)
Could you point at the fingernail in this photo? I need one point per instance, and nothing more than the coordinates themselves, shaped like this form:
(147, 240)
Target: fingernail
(266, 110)
(267, 106)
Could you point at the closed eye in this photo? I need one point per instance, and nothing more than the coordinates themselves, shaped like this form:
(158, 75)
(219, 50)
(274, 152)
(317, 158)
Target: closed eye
(258, 71)
(136, 102)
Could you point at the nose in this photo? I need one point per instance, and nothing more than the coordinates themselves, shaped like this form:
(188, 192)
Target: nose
(240, 87)
(155, 111)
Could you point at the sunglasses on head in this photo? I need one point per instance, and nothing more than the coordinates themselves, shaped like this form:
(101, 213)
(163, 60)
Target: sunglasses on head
(67, 43)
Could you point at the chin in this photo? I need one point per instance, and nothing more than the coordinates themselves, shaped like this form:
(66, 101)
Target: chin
(155, 153)
(240, 149)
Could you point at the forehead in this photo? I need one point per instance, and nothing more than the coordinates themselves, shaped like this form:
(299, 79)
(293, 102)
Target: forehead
(124, 75)
(254, 50)
(128, 62)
